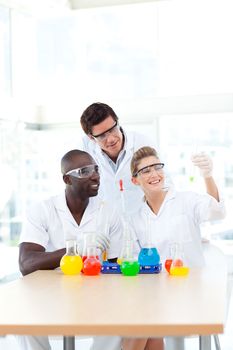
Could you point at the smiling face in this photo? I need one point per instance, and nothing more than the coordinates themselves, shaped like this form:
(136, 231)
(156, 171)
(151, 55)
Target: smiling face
(84, 181)
(149, 175)
(108, 136)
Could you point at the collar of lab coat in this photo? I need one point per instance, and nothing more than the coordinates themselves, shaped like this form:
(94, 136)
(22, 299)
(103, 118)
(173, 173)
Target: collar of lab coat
(128, 147)
(61, 205)
(171, 194)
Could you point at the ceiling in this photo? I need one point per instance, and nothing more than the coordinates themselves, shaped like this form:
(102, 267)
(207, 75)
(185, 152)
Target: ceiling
(76, 4)
(34, 6)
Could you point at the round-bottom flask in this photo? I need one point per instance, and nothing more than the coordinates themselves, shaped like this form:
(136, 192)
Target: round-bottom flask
(91, 265)
(126, 250)
(129, 266)
(71, 263)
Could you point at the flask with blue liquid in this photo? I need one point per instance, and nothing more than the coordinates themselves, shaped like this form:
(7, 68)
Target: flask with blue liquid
(148, 255)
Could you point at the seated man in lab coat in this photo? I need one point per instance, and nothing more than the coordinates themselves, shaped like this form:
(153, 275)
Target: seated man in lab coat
(67, 216)
(113, 148)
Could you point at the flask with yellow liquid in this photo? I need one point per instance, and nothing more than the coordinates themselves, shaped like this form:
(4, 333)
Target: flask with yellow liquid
(178, 265)
(71, 263)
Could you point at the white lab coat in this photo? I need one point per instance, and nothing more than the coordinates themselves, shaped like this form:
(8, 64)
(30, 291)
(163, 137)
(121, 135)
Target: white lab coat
(50, 223)
(178, 221)
(110, 190)
(109, 180)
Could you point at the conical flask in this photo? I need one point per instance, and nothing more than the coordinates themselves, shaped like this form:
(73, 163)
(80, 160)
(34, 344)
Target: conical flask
(178, 265)
(71, 263)
(148, 255)
(91, 263)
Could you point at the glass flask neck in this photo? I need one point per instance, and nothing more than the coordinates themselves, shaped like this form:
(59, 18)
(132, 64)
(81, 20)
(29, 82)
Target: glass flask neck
(91, 251)
(127, 251)
(90, 239)
(126, 230)
(177, 250)
(71, 248)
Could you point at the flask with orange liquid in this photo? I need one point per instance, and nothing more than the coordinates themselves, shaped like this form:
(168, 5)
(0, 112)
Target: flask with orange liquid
(71, 263)
(178, 266)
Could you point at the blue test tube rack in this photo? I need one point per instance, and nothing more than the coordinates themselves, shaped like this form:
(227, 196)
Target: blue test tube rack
(114, 268)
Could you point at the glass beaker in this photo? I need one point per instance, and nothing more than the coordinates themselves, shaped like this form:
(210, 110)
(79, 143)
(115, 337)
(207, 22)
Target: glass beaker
(71, 263)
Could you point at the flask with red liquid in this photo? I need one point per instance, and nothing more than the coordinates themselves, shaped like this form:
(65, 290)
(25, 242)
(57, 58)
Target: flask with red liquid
(91, 265)
(89, 241)
(168, 261)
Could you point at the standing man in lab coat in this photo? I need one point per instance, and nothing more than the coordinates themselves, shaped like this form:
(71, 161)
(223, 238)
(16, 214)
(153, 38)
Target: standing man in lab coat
(112, 148)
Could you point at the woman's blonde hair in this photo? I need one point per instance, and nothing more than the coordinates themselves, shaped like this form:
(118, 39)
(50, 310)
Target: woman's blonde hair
(140, 154)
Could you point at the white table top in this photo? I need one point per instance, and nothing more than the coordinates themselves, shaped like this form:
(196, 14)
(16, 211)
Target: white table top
(48, 302)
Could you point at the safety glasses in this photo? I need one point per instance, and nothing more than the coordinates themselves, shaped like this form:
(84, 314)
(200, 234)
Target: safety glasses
(84, 172)
(147, 170)
(111, 131)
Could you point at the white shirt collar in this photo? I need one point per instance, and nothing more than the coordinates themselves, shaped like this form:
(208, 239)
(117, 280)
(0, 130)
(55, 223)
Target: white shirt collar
(171, 194)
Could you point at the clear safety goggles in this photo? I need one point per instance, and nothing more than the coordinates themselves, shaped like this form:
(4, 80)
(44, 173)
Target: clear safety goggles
(103, 136)
(84, 172)
(147, 170)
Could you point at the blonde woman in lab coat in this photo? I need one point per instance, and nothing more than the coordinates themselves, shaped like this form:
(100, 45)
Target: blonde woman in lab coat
(174, 216)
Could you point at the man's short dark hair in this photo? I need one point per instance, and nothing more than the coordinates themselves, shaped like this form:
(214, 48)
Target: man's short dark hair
(68, 159)
(95, 114)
